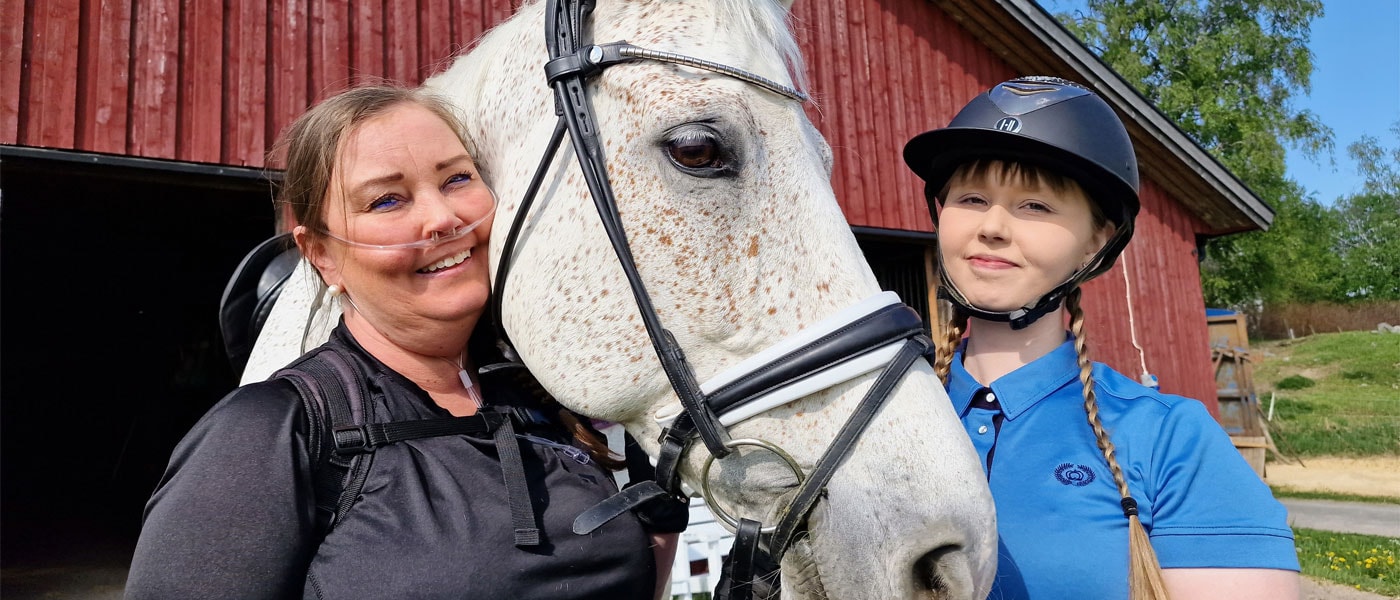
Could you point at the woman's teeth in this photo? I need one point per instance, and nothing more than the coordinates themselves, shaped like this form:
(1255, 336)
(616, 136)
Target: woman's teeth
(447, 262)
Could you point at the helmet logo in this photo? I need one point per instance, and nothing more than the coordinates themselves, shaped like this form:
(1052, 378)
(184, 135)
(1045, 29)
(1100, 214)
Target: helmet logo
(1008, 124)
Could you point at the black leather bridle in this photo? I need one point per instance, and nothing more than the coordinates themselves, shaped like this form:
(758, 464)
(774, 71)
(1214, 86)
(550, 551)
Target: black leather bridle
(758, 550)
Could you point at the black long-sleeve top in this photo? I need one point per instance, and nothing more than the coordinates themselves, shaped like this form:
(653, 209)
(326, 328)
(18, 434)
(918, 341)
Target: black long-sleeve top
(234, 515)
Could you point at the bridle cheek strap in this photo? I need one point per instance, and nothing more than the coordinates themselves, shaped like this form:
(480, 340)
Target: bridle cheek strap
(793, 518)
(737, 578)
(563, 24)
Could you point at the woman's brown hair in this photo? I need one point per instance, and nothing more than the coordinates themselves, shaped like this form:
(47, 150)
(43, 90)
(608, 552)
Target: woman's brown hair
(1144, 573)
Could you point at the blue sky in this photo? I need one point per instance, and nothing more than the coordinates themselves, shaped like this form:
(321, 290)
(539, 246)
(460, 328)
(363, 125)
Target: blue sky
(1355, 87)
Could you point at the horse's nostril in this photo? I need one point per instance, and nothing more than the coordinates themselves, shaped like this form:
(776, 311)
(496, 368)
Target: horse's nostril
(937, 573)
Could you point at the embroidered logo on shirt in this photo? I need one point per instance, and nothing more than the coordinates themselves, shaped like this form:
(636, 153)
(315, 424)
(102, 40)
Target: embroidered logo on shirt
(1072, 474)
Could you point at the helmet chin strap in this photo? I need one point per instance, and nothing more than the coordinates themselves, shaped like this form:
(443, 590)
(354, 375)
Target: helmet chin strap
(1020, 318)
(1047, 303)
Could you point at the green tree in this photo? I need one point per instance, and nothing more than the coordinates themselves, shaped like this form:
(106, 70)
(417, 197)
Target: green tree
(1225, 71)
(1368, 238)
(1378, 167)
(1295, 261)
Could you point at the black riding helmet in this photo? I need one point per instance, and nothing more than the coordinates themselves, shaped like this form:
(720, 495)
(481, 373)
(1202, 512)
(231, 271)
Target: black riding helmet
(1046, 122)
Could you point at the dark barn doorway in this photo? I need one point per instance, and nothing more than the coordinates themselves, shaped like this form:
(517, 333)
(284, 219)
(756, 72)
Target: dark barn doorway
(899, 260)
(112, 272)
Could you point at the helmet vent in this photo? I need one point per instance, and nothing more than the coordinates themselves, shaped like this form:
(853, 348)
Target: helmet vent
(1020, 96)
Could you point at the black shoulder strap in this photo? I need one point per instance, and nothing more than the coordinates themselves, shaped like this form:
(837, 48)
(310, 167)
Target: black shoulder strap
(328, 389)
(343, 433)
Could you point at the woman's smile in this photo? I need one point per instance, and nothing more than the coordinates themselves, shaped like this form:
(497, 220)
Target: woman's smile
(990, 263)
(448, 263)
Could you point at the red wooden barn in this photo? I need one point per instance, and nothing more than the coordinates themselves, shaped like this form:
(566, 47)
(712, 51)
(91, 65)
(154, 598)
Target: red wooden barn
(133, 136)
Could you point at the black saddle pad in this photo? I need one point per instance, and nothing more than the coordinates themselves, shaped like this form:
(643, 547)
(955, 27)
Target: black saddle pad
(250, 294)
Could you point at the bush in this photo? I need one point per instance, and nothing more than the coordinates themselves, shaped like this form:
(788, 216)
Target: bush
(1294, 382)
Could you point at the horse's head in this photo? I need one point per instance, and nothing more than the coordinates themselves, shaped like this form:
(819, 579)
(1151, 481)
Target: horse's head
(724, 192)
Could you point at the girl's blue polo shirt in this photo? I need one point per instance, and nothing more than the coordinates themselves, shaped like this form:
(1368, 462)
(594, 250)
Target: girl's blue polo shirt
(1063, 534)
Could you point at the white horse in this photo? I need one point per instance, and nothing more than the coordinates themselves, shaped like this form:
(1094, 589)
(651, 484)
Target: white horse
(724, 191)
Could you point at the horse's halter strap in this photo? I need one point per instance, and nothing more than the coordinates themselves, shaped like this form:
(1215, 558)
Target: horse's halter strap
(871, 331)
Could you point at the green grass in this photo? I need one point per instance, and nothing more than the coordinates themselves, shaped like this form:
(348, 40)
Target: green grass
(1363, 562)
(1287, 492)
(1353, 406)
(1294, 382)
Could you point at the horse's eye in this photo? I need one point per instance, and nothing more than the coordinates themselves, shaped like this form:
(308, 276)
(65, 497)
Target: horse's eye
(699, 151)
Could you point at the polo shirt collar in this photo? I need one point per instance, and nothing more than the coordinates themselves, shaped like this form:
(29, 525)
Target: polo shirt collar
(1021, 389)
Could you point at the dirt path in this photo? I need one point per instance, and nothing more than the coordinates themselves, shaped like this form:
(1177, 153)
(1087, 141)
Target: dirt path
(1370, 476)
(1326, 590)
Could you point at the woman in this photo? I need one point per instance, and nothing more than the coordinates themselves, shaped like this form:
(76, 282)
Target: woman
(392, 213)
(1096, 478)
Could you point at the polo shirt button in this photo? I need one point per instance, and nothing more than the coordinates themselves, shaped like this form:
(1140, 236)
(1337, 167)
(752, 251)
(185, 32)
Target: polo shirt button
(991, 397)
(982, 429)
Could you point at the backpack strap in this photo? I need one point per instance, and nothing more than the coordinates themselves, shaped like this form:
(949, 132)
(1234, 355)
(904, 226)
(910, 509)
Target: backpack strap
(343, 437)
(333, 398)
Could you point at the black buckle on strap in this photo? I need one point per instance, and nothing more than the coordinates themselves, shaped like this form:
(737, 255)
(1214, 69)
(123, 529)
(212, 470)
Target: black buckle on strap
(586, 62)
(526, 416)
(351, 439)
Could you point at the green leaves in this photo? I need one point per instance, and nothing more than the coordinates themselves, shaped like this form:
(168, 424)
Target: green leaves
(1226, 71)
(1295, 261)
(1223, 70)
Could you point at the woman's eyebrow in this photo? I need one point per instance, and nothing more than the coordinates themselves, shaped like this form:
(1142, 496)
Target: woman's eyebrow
(452, 161)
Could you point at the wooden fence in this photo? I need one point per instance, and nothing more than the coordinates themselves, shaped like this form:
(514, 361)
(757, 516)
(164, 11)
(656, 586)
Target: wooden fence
(1277, 321)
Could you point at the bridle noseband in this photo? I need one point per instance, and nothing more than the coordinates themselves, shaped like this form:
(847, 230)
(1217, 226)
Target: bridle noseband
(878, 332)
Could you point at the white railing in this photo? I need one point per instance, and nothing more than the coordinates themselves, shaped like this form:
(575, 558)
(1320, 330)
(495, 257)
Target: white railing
(704, 541)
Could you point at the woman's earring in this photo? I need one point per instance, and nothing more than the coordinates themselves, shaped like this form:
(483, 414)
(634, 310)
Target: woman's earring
(334, 290)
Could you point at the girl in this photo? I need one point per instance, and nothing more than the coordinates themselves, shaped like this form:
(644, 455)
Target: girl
(1097, 479)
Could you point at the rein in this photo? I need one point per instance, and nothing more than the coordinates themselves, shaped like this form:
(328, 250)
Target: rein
(878, 332)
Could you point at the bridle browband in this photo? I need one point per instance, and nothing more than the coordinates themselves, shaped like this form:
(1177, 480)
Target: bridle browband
(851, 343)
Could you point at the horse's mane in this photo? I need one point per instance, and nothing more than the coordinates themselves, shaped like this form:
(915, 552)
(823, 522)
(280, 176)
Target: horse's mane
(766, 20)
(758, 19)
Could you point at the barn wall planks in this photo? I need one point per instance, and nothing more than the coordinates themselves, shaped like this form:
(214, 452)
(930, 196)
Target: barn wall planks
(208, 81)
(1168, 307)
(217, 81)
(883, 71)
